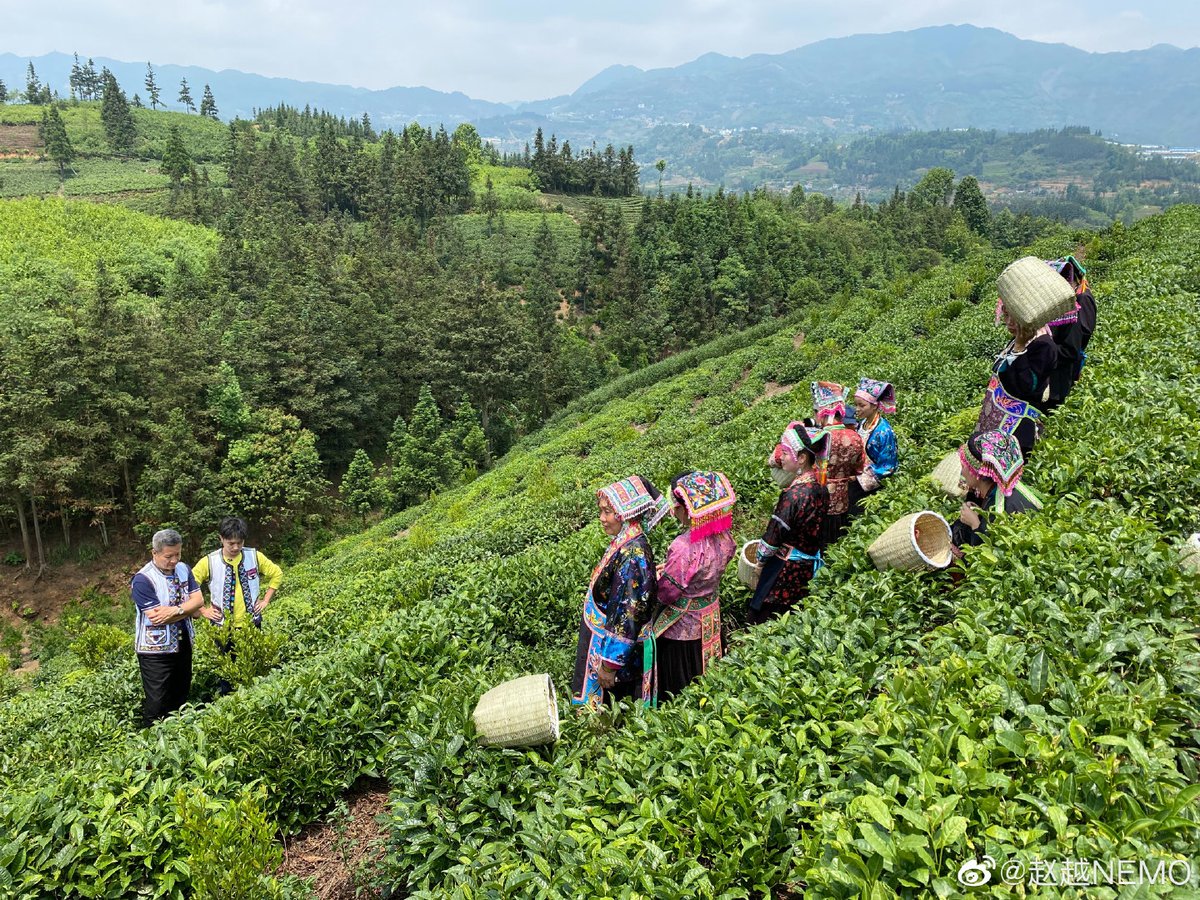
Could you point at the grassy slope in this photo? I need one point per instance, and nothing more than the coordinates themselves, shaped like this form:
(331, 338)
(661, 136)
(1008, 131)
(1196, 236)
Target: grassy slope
(96, 174)
(394, 633)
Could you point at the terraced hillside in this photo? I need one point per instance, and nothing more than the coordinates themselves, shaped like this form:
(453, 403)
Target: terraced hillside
(869, 744)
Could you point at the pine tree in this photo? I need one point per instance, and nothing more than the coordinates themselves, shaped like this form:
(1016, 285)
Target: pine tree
(76, 79)
(152, 89)
(425, 459)
(91, 81)
(185, 96)
(3, 92)
(208, 106)
(969, 201)
(119, 129)
(54, 136)
(468, 440)
(176, 161)
(358, 485)
(33, 87)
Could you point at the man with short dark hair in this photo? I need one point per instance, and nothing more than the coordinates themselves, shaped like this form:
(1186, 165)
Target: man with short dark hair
(240, 580)
(166, 596)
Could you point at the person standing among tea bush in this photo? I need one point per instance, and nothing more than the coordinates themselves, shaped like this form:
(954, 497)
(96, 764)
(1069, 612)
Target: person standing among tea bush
(240, 578)
(1072, 332)
(991, 468)
(871, 401)
(790, 550)
(621, 594)
(844, 458)
(684, 636)
(166, 596)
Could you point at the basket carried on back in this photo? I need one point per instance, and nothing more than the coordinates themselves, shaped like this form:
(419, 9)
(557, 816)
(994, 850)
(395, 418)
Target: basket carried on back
(948, 475)
(748, 568)
(917, 541)
(1033, 293)
(1189, 554)
(519, 713)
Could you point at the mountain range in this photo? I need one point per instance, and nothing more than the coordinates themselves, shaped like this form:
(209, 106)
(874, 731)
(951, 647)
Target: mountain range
(952, 76)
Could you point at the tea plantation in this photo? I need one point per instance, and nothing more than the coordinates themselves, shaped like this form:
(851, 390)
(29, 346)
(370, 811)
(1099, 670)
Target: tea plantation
(1044, 709)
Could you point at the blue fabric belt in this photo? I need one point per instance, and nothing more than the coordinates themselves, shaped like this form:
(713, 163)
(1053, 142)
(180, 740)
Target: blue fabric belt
(795, 555)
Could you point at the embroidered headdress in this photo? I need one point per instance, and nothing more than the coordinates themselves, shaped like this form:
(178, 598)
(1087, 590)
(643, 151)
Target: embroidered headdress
(879, 393)
(708, 498)
(995, 455)
(797, 437)
(636, 498)
(829, 397)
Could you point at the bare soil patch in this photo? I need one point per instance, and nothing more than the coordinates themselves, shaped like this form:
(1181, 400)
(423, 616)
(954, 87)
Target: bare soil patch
(798, 340)
(21, 589)
(20, 139)
(338, 850)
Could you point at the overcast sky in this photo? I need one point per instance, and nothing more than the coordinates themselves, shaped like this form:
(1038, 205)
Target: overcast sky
(532, 49)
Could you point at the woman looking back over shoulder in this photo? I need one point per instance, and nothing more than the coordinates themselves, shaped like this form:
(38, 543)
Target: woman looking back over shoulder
(621, 594)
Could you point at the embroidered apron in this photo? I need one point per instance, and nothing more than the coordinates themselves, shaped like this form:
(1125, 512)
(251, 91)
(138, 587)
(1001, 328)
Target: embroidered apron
(709, 608)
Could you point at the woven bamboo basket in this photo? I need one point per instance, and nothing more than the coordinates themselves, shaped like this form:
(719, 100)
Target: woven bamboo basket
(1189, 554)
(948, 475)
(901, 547)
(519, 713)
(748, 568)
(1033, 293)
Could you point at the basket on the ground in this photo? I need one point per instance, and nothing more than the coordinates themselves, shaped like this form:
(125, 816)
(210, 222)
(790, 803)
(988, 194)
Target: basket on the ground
(748, 568)
(1033, 293)
(519, 713)
(1189, 554)
(917, 541)
(948, 475)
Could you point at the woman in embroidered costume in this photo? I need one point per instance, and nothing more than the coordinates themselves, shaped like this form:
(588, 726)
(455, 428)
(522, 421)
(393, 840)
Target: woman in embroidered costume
(1072, 332)
(620, 596)
(1019, 392)
(844, 458)
(871, 401)
(991, 468)
(790, 549)
(684, 637)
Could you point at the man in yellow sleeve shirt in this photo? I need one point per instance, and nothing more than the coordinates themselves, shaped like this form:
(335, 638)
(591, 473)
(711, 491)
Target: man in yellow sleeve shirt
(239, 579)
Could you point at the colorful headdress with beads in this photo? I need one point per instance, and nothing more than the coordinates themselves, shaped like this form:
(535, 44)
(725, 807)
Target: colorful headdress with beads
(798, 437)
(709, 499)
(879, 393)
(995, 455)
(636, 498)
(829, 397)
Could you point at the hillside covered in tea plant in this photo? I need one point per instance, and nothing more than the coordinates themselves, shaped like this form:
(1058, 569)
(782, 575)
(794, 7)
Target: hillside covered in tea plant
(1043, 709)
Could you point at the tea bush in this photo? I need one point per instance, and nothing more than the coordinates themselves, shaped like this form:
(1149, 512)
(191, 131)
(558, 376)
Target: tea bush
(866, 744)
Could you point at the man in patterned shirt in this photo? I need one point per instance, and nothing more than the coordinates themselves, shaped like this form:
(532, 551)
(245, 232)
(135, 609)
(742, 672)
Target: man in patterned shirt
(166, 596)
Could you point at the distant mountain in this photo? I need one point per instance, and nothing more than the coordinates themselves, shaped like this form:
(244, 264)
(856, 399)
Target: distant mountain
(240, 93)
(953, 76)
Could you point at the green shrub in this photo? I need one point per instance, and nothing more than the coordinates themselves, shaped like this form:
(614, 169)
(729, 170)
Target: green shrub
(231, 848)
(99, 645)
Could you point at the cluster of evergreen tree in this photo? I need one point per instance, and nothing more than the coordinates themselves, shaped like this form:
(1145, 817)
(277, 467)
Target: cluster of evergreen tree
(309, 122)
(611, 173)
